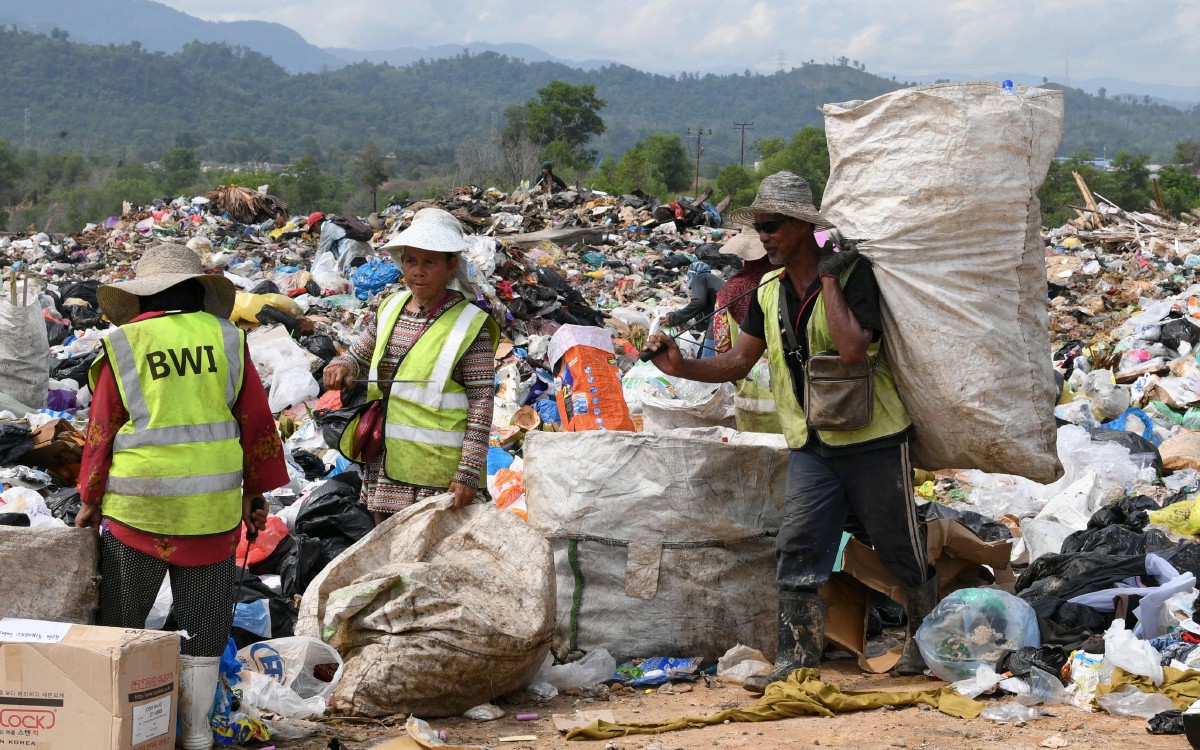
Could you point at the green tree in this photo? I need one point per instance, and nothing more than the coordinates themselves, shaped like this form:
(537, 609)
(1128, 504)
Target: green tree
(733, 181)
(1187, 155)
(807, 154)
(308, 183)
(560, 112)
(371, 171)
(1180, 190)
(180, 168)
(1131, 181)
(658, 164)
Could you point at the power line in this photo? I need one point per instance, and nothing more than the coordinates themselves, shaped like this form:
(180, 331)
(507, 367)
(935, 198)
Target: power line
(744, 126)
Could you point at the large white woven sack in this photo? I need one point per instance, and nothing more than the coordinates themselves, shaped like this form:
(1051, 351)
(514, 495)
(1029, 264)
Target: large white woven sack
(942, 180)
(435, 611)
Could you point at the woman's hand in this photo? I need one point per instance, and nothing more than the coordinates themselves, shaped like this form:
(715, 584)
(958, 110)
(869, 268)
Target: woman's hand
(89, 515)
(463, 495)
(255, 519)
(338, 377)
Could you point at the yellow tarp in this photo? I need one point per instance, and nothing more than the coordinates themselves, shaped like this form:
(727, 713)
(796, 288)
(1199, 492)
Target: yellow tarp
(802, 694)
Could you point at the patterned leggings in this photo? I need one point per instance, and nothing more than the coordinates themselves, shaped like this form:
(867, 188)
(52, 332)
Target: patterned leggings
(129, 583)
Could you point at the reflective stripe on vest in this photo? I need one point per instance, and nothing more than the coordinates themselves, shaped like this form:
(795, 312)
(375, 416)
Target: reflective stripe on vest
(753, 404)
(177, 463)
(425, 423)
(888, 415)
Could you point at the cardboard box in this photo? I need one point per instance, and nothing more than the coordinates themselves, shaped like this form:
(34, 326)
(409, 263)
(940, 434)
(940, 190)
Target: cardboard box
(68, 687)
(962, 559)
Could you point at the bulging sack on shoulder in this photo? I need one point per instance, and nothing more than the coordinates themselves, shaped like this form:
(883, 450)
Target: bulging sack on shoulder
(941, 182)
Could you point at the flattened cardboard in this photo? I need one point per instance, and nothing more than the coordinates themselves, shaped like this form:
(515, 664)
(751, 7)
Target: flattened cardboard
(959, 556)
(90, 687)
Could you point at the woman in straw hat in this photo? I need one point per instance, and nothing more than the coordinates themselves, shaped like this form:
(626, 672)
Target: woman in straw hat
(823, 300)
(429, 356)
(180, 441)
(754, 407)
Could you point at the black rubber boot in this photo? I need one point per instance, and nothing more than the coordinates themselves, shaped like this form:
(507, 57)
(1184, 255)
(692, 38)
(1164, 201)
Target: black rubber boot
(918, 603)
(801, 638)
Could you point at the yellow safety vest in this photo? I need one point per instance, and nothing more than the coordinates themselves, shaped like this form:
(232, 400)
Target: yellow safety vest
(425, 423)
(177, 463)
(753, 404)
(888, 414)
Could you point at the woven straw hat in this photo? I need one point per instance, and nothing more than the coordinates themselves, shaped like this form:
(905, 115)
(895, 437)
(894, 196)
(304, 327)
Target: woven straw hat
(745, 246)
(431, 229)
(162, 267)
(784, 193)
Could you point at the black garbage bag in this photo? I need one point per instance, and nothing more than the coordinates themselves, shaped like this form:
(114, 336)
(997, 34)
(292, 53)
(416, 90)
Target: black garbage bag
(985, 528)
(57, 332)
(283, 611)
(75, 368)
(1046, 658)
(331, 520)
(320, 345)
(271, 564)
(266, 286)
(1068, 625)
(65, 504)
(332, 422)
(1167, 722)
(270, 314)
(14, 519)
(82, 317)
(15, 441)
(575, 309)
(1141, 451)
(1184, 557)
(1175, 332)
(1130, 512)
(312, 466)
(1067, 576)
(1116, 540)
(300, 564)
(84, 290)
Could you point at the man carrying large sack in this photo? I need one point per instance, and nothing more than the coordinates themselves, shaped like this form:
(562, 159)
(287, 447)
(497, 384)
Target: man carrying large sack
(818, 320)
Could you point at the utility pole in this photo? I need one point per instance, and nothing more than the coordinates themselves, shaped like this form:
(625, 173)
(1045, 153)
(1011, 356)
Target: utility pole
(27, 128)
(700, 133)
(744, 126)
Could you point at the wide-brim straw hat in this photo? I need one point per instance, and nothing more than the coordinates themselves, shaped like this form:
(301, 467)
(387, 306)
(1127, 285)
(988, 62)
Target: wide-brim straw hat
(431, 229)
(745, 246)
(162, 267)
(784, 193)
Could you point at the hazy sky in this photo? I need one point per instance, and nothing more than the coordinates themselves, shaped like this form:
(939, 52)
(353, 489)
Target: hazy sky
(1155, 41)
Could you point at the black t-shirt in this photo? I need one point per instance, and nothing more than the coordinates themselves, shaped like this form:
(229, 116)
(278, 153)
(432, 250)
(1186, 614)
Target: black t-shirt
(862, 297)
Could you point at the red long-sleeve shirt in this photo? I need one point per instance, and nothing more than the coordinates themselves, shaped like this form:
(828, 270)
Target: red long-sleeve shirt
(263, 467)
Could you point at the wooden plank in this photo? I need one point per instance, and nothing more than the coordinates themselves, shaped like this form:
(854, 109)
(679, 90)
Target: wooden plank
(564, 236)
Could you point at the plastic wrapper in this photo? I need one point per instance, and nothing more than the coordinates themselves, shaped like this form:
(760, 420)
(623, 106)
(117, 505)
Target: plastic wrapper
(1123, 649)
(291, 676)
(742, 662)
(1129, 701)
(594, 668)
(973, 627)
(657, 670)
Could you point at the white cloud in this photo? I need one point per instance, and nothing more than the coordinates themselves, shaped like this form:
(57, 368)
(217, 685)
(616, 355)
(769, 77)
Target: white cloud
(1149, 40)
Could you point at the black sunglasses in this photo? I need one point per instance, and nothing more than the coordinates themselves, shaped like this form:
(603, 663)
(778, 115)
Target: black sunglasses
(769, 227)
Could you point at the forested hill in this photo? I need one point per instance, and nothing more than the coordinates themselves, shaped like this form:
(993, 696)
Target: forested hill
(234, 104)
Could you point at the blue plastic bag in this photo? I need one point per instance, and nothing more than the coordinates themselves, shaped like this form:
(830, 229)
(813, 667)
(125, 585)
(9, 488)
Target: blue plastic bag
(657, 670)
(372, 277)
(1119, 424)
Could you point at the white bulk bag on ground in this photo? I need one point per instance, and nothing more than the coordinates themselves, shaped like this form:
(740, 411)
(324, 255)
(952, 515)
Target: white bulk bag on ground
(664, 543)
(24, 350)
(698, 405)
(435, 611)
(51, 574)
(942, 180)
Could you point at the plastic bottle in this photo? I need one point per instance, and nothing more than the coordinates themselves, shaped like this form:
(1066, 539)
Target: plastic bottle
(1007, 86)
(1009, 712)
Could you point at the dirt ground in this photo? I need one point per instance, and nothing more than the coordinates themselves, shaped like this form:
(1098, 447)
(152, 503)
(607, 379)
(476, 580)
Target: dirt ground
(909, 727)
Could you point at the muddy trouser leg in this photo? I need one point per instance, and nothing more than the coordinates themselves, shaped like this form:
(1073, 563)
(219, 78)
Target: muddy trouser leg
(878, 486)
(204, 605)
(815, 510)
(129, 583)
(879, 490)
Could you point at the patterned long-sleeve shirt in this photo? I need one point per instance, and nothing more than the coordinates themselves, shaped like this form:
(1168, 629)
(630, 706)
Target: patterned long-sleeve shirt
(263, 466)
(476, 372)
